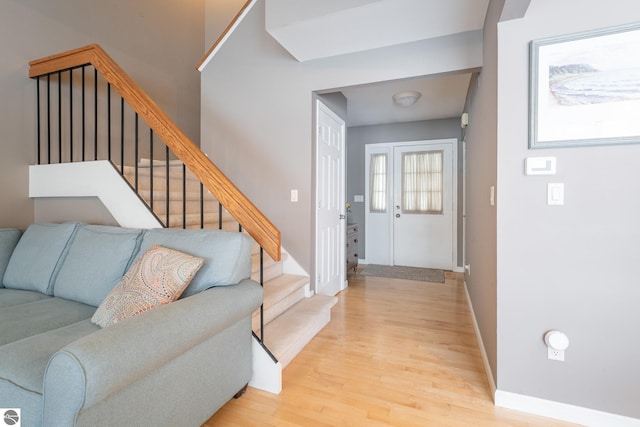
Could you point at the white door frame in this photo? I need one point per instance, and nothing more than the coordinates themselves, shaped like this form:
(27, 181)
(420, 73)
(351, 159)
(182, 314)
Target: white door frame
(388, 147)
(340, 252)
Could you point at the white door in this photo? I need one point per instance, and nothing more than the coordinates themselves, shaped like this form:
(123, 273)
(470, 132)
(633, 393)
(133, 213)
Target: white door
(330, 183)
(411, 231)
(423, 206)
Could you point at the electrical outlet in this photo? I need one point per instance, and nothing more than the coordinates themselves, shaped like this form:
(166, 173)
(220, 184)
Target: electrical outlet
(553, 354)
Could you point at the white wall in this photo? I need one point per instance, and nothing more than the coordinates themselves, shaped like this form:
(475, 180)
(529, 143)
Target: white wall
(570, 267)
(257, 112)
(157, 42)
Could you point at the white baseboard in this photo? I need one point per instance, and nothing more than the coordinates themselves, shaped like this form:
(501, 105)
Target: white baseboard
(485, 359)
(562, 411)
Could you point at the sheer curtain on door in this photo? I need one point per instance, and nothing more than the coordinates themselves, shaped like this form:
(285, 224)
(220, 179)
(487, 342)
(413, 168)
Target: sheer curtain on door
(422, 182)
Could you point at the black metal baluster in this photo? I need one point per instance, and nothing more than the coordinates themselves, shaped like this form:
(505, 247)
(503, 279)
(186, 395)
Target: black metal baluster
(71, 115)
(151, 167)
(219, 216)
(95, 114)
(166, 157)
(38, 149)
(83, 114)
(201, 205)
(121, 136)
(49, 119)
(59, 117)
(261, 284)
(184, 196)
(109, 121)
(136, 154)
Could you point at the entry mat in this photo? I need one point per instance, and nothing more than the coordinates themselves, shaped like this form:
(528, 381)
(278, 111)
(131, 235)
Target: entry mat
(408, 273)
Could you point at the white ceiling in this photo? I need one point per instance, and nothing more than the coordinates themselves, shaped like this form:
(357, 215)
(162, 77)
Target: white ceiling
(442, 97)
(358, 25)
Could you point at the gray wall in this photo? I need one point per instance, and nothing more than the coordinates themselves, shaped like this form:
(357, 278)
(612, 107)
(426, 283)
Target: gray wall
(571, 267)
(481, 165)
(63, 209)
(359, 136)
(257, 108)
(157, 42)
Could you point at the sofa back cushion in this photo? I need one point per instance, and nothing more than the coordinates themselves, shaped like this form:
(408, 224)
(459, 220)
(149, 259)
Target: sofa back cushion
(37, 257)
(227, 255)
(8, 239)
(97, 259)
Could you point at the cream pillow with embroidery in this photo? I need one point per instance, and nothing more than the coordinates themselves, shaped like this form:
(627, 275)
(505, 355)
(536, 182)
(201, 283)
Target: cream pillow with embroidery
(158, 277)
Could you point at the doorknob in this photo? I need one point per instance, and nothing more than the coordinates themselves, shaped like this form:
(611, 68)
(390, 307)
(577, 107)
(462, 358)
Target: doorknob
(397, 215)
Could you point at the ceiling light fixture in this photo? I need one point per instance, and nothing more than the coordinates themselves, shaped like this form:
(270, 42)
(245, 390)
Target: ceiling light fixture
(406, 99)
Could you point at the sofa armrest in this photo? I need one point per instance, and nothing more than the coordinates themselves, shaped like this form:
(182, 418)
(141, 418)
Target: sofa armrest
(108, 360)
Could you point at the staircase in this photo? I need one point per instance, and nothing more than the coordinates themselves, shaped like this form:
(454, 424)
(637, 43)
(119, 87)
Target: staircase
(180, 188)
(291, 315)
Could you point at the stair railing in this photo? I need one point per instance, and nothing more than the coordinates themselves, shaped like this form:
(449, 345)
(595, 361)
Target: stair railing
(88, 108)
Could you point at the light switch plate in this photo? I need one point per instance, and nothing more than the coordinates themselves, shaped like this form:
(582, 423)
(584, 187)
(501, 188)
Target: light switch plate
(555, 194)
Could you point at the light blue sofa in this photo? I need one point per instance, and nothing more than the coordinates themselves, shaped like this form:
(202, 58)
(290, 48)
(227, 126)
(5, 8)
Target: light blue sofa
(173, 365)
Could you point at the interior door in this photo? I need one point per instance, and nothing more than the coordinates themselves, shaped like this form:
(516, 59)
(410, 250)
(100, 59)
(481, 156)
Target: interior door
(423, 206)
(330, 216)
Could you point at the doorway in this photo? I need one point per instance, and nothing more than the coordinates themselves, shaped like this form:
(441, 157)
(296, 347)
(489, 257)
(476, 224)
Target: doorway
(411, 203)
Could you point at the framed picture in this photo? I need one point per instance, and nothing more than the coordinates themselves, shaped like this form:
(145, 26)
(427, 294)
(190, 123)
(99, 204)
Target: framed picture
(585, 89)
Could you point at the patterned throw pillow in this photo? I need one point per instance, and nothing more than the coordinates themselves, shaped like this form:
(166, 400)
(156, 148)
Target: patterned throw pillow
(158, 277)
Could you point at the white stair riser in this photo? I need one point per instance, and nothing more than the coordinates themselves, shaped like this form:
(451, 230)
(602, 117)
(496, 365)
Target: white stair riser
(295, 345)
(277, 308)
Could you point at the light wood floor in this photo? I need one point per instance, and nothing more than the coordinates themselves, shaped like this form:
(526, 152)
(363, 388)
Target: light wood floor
(396, 353)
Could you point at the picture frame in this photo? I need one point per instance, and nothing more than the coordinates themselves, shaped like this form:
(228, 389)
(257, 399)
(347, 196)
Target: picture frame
(584, 89)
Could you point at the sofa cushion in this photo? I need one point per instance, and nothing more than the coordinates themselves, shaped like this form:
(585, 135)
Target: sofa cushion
(97, 259)
(227, 255)
(10, 297)
(155, 279)
(37, 257)
(8, 239)
(25, 320)
(23, 367)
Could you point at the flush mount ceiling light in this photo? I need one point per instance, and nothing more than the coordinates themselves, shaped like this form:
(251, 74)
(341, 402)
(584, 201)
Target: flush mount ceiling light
(406, 99)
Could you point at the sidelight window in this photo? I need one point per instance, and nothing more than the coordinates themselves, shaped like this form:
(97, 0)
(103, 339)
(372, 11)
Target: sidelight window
(378, 183)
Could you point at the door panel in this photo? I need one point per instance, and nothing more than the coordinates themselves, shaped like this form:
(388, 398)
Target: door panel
(330, 180)
(423, 211)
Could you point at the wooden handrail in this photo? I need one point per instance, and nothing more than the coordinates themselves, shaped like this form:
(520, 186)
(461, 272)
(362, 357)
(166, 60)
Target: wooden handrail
(238, 205)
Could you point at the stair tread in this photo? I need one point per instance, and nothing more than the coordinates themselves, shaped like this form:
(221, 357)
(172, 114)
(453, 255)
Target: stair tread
(281, 286)
(286, 335)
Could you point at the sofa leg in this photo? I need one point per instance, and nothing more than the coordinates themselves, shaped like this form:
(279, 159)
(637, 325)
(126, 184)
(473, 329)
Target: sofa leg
(242, 391)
